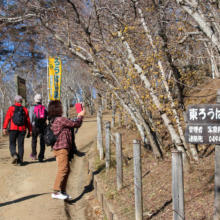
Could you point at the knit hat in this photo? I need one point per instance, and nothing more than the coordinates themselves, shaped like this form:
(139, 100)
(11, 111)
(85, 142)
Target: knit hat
(18, 98)
(38, 98)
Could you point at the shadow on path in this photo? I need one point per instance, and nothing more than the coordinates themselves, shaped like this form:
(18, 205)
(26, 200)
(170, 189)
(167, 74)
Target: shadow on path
(87, 189)
(80, 154)
(90, 121)
(161, 209)
(21, 199)
(25, 163)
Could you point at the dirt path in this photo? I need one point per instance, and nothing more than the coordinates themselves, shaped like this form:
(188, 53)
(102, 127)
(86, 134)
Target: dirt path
(26, 191)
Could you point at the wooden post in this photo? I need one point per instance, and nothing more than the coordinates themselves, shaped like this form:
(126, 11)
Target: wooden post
(107, 145)
(217, 176)
(20, 88)
(110, 216)
(119, 161)
(177, 186)
(138, 180)
(99, 131)
(2, 122)
(119, 119)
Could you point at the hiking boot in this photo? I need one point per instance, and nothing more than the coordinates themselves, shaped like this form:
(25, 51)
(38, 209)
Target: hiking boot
(58, 195)
(14, 159)
(41, 160)
(65, 194)
(33, 157)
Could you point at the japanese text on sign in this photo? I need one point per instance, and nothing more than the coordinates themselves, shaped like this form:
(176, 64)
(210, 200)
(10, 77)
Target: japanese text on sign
(206, 134)
(203, 114)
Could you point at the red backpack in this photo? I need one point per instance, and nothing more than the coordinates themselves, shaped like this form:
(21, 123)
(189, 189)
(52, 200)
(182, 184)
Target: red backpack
(40, 114)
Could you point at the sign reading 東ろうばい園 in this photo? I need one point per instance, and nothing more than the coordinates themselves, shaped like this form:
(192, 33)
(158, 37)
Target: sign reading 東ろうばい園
(203, 124)
(54, 78)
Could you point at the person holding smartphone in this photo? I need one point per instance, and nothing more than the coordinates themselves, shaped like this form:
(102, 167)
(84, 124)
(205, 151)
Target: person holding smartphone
(62, 126)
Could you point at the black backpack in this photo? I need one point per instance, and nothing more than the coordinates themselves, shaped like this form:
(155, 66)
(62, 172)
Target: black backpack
(49, 137)
(18, 117)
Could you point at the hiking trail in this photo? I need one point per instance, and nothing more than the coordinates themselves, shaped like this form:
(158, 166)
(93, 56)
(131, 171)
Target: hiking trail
(26, 191)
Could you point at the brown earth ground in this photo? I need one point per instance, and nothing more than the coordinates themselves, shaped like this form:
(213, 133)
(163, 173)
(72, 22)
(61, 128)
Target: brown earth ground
(157, 176)
(26, 191)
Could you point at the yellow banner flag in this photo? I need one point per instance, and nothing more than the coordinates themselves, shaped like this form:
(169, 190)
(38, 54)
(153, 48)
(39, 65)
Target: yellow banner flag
(54, 78)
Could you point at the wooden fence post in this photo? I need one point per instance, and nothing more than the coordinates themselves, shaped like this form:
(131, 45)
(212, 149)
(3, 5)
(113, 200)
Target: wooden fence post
(138, 180)
(99, 135)
(119, 118)
(119, 161)
(217, 176)
(107, 145)
(177, 186)
(2, 122)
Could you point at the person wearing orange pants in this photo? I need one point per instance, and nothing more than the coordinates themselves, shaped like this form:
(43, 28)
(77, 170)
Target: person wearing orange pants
(61, 127)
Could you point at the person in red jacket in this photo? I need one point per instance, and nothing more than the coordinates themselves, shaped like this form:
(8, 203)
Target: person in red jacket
(17, 131)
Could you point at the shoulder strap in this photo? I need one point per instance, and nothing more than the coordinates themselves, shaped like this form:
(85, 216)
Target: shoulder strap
(52, 120)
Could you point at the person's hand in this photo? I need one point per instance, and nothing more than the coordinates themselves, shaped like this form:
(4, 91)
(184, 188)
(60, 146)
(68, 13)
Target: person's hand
(4, 131)
(82, 113)
(30, 133)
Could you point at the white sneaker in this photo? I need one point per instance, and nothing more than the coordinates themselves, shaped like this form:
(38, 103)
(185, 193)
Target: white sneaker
(58, 195)
(68, 197)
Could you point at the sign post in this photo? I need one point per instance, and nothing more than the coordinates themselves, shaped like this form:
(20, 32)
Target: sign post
(204, 128)
(20, 88)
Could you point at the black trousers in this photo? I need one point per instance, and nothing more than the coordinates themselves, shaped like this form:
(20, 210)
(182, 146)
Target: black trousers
(13, 136)
(38, 131)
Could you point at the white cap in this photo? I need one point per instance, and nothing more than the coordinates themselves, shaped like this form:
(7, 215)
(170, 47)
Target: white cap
(37, 98)
(18, 98)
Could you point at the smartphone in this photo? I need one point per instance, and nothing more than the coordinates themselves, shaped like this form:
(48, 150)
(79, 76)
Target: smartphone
(79, 107)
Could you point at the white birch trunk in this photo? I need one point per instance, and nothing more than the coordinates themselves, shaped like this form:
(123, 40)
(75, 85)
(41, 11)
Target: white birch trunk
(214, 68)
(175, 137)
(179, 126)
(191, 7)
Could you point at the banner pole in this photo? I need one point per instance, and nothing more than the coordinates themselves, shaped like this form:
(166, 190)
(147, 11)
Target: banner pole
(48, 91)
